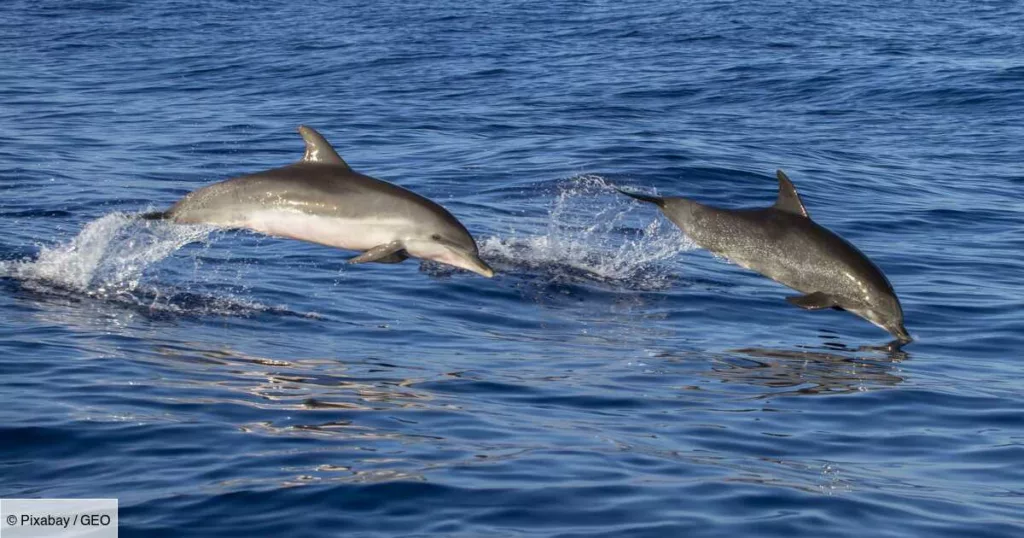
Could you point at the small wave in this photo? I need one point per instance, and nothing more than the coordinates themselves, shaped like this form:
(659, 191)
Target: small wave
(593, 235)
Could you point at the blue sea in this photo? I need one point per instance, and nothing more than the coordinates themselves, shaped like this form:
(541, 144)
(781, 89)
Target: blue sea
(613, 380)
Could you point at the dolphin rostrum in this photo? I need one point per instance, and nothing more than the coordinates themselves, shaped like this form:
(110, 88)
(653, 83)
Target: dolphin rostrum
(782, 243)
(321, 200)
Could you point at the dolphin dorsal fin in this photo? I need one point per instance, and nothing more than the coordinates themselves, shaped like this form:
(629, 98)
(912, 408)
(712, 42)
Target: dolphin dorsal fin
(318, 149)
(789, 200)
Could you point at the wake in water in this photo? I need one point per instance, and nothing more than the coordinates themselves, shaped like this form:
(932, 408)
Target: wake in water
(107, 261)
(593, 236)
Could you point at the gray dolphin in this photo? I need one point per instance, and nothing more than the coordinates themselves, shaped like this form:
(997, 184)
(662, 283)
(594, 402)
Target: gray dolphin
(782, 243)
(322, 200)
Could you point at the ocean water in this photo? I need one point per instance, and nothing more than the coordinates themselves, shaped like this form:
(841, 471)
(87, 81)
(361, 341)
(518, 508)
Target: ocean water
(612, 379)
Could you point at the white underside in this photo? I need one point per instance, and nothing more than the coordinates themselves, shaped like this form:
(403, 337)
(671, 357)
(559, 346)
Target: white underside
(350, 234)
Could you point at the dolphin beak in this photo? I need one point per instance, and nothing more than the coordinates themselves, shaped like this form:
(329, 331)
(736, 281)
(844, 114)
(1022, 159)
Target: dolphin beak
(465, 259)
(901, 333)
(449, 254)
(478, 266)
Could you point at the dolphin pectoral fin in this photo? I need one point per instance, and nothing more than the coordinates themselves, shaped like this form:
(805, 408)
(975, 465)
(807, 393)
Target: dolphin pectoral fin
(387, 253)
(397, 257)
(318, 149)
(814, 301)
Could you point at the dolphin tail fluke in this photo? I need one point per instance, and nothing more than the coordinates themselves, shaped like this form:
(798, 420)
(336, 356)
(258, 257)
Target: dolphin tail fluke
(153, 215)
(656, 200)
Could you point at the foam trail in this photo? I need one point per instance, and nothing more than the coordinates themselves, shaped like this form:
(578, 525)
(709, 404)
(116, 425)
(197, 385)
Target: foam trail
(593, 234)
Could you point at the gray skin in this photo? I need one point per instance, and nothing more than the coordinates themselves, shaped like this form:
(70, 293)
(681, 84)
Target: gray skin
(782, 243)
(322, 200)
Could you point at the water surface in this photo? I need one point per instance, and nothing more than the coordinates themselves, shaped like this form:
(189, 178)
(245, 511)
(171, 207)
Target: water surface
(612, 380)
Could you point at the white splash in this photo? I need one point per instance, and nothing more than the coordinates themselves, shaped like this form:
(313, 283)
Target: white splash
(108, 256)
(594, 234)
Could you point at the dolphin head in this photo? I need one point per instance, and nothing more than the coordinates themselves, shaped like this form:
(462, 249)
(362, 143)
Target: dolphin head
(450, 245)
(896, 328)
(887, 313)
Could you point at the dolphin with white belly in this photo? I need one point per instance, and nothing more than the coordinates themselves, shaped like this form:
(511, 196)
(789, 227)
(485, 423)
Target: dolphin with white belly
(782, 243)
(320, 199)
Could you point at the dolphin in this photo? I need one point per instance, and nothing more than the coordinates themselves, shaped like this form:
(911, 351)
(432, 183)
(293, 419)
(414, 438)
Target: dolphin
(782, 243)
(320, 199)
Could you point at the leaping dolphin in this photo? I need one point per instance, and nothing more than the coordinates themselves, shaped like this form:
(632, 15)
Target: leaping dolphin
(782, 243)
(322, 200)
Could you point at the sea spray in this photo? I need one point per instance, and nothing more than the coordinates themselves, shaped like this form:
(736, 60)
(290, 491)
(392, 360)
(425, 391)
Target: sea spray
(593, 234)
(109, 255)
(108, 261)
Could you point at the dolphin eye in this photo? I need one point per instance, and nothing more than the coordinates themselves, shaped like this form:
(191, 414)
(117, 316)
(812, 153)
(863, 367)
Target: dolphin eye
(436, 237)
